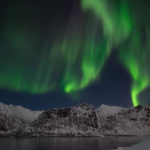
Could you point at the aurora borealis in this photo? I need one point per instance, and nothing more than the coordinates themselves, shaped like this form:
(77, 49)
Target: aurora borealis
(64, 45)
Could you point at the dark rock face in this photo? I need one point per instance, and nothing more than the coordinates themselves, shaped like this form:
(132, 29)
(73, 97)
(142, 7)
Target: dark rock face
(133, 121)
(139, 107)
(10, 125)
(76, 121)
(81, 120)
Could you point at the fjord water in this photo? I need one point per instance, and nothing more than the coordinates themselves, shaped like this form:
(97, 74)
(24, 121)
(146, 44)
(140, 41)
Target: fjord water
(67, 143)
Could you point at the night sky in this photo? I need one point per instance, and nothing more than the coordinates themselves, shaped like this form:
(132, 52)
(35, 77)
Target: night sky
(61, 53)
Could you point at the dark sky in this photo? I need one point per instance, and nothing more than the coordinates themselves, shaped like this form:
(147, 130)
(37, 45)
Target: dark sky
(55, 53)
(112, 89)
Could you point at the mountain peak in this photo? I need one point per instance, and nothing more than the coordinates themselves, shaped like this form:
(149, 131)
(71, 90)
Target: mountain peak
(80, 120)
(106, 110)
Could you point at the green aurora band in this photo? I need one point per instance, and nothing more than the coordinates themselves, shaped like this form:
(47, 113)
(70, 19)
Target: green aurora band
(72, 61)
(74, 55)
(122, 23)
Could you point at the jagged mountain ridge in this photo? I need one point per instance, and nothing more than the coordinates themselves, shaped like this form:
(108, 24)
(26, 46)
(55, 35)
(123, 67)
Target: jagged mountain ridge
(80, 120)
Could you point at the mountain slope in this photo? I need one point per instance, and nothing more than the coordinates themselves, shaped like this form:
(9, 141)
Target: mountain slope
(131, 121)
(80, 120)
(13, 119)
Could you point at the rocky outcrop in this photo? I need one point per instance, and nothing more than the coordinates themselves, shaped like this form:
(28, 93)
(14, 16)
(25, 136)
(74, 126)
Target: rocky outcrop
(132, 121)
(80, 120)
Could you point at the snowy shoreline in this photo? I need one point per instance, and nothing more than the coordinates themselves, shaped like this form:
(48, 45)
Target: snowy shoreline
(143, 145)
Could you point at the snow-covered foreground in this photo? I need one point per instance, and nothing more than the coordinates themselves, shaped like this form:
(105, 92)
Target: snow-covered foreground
(144, 145)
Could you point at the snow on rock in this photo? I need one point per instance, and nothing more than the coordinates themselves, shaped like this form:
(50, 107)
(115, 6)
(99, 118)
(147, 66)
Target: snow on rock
(19, 111)
(24, 113)
(144, 145)
(13, 119)
(131, 121)
(105, 110)
(80, 120)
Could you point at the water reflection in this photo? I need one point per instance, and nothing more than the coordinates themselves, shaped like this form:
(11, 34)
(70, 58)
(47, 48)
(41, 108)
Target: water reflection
(67, 143)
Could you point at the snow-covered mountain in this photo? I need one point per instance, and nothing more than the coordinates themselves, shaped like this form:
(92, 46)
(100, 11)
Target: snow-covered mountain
(15, 118)
(132, 121)
(105, 110)
(19, 112)
(80, 120)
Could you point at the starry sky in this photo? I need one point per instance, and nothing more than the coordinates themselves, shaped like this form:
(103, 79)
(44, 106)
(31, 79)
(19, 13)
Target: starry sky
(64, 52)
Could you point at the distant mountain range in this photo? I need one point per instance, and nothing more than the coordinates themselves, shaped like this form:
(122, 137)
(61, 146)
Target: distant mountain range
(80, 120)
